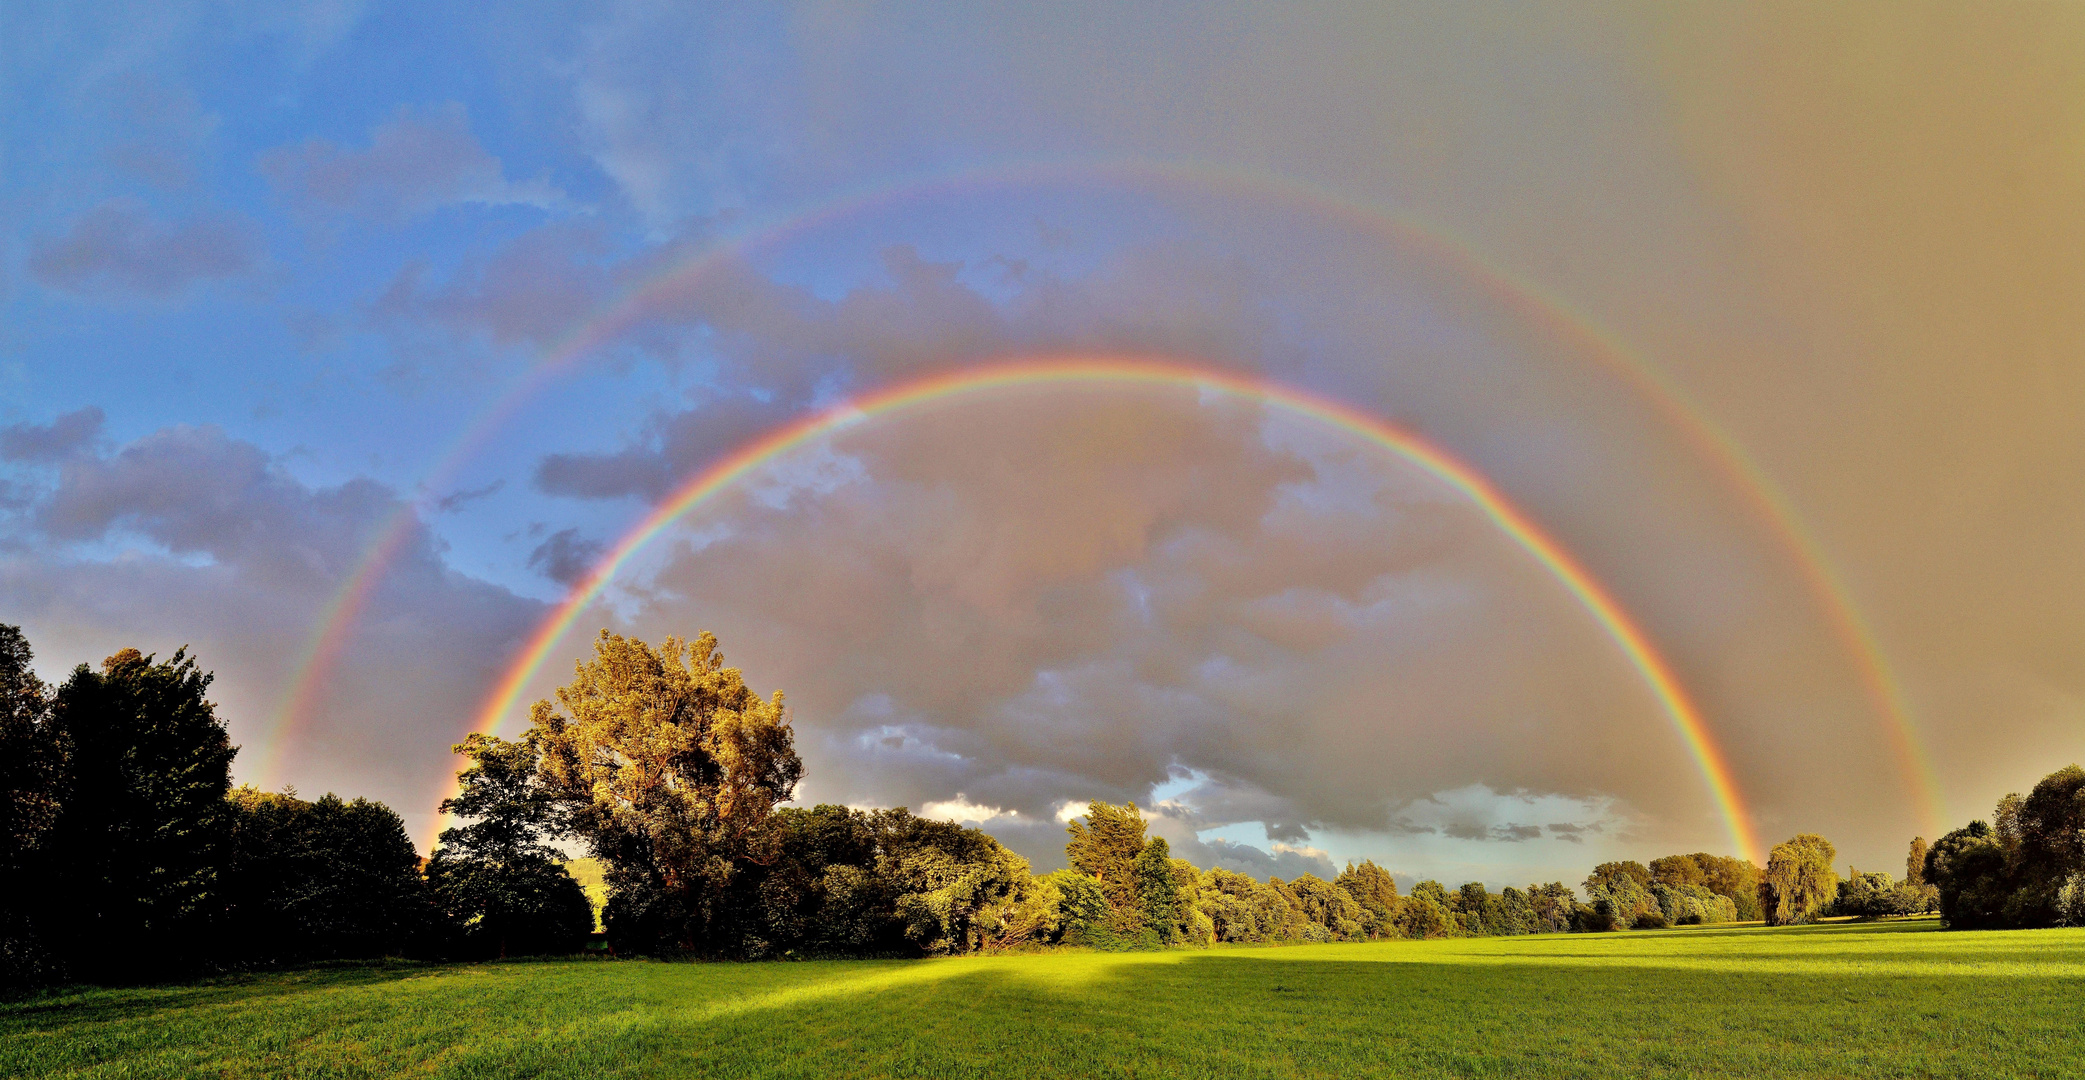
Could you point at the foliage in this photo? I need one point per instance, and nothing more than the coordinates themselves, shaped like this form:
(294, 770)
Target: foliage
(1375, 890)
(1915, 862)
(1424, 914)
(326, 880)
(1104, 845)
(1799, 881)
(952, 884)
(1692, 905)
(1618, 896)
(1874, 895)
(1329, 906)
(1967, 867)
(32, 764)
(1082, 907)
(2050, 849)
(1158, 899)
(1242, 908)
(1727, 876)
(668, 766)
(496, 878)
(1551, 906)
(2026, 869)
(142, 817)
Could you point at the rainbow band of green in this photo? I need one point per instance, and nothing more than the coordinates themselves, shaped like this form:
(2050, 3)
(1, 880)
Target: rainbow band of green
(1679, 708)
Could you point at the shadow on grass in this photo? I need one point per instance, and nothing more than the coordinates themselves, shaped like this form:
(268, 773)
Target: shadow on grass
(103, 1002)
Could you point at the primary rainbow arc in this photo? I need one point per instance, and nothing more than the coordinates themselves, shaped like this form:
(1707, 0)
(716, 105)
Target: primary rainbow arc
(1657, 675)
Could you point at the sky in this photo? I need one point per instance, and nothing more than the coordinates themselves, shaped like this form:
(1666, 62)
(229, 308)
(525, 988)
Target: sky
(339, 342)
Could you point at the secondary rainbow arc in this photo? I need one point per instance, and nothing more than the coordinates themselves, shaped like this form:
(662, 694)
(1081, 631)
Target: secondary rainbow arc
(1607, 613)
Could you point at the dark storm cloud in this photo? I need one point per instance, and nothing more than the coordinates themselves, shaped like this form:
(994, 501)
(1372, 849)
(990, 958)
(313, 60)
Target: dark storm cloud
(118, 247)
(565, 557)
(46, 443)
(420, 159)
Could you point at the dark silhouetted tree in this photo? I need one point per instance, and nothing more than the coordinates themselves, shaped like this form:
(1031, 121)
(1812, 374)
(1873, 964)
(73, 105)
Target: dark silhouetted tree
(496, 877)
(333, 879)
(32, 763)
(142, 818)
(1968, 868)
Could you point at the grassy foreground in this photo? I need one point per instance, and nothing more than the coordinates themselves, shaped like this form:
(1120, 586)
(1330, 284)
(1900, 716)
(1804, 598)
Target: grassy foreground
(1891, 999)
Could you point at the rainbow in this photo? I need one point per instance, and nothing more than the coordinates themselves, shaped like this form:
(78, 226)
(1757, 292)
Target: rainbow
(338, 617)
(1679, 708)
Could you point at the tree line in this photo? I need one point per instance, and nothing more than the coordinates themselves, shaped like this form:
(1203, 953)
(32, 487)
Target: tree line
(2024, 868)
(133, 856)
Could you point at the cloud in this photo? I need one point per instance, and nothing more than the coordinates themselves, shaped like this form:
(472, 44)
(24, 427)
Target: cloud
(536, 290)
(1284, 861)
(566, 558)
(41, 444)
(457, 500)
(119, 248)
(962, 811)
(415, 162)
(190, 536)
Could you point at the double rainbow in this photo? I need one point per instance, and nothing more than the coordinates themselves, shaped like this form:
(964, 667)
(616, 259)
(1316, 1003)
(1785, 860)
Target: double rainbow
(1607, 613)
(333, 630)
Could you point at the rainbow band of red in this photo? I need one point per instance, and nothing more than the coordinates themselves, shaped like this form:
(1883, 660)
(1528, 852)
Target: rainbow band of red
(1612, 618)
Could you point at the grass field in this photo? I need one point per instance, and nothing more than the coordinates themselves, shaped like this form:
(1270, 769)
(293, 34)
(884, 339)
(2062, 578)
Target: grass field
(1889, 999)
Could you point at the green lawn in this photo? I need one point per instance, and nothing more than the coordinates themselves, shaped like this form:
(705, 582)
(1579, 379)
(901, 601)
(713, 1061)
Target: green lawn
(1892, 999)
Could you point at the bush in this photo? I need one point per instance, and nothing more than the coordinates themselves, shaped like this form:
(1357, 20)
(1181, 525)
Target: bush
(1650, 920)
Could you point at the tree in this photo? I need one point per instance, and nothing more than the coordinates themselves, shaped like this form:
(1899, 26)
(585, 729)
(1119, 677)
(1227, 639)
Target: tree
(669, 766)
(1619, 894)
(496, 878)
(142, 817)
(1082, 908)
(1327, 905)
(1196, 927)
(1104, 845)
(1915, 862)
(1733, 878)
(1424, 914)
(1799, 880)
(1375, 890)
(1873, 896)
(2049, 849)
(32, 762)
(1242, 908)
(1158, 898)
(1969, 870)
(332, 879)
(952, 884)
(1678, 870)
(1617, 874)
(1553, 905)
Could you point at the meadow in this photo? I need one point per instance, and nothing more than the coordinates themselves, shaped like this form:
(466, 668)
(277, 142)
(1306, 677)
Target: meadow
(1891, 999)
